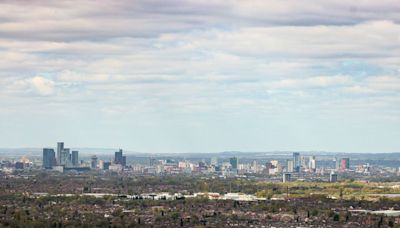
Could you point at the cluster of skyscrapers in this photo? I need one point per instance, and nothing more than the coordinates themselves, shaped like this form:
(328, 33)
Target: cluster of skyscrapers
(296, 164)
(63, 157)
(342, 164)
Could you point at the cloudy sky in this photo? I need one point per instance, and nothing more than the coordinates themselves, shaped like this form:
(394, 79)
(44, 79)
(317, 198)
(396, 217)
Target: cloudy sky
(201, 76)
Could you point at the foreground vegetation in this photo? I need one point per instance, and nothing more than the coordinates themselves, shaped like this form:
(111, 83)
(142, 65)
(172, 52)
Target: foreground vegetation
(286, 204)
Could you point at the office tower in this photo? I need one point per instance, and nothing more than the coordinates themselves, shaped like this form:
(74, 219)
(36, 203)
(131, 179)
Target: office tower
(234, 163)
(345, 164)
(296, 162)
(64, 158)
(312, 163)
(123, 161)
(304, 161)
(60, 148)
(333, 177)
(337, 164)
(286, 177)
(75, 158)
(93, 163)
(49, 158)
(101, 164)
(290, 166)
(106, 165)
(119, 159)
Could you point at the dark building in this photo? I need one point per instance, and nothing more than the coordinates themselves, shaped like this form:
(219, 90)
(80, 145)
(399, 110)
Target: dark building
(106, 165)
(123, 161)
(234, 163)
(296, 162)
(60, 148)
(75, 158)
(19, 165)
(49, 158)
(119, 158)
(333, 177)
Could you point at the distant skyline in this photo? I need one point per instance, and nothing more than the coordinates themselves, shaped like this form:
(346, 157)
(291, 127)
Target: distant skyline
(195, 76)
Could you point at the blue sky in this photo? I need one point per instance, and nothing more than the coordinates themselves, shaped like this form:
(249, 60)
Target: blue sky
(198, 76)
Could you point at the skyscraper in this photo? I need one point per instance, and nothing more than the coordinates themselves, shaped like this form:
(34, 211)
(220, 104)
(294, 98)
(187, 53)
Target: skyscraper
(49, 158)
(290, 166)
(75, 158)
(106, 165)
(345, 164)
(60, 148)
(119, 159)
(296, 162)
(65, 157)
(312, 163)
(234, 163)
(93, 163)
(337, 164)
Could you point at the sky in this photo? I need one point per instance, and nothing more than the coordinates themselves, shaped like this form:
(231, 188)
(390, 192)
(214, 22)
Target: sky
(201, 76)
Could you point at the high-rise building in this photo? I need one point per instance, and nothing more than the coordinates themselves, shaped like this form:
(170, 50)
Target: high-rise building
(119, 158)
(290, 166)
(60, 148)
(93, 163)
(337, 164)
(312, 163)
(296, 162)
(123, 161)
(65, 157)
(101, 164)
(234, 163)
(106, 165)
(345, 164)
(49, 158)
(75, 158)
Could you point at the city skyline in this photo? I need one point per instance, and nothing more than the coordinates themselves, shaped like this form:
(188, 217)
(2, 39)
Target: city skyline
(195, 76)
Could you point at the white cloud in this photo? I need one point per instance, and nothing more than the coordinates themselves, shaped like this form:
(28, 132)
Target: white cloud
(313, 82)
(39, 85)
(42, 85)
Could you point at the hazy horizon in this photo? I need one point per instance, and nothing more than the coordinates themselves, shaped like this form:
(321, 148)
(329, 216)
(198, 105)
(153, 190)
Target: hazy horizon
(110, 151)
(179, 76)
